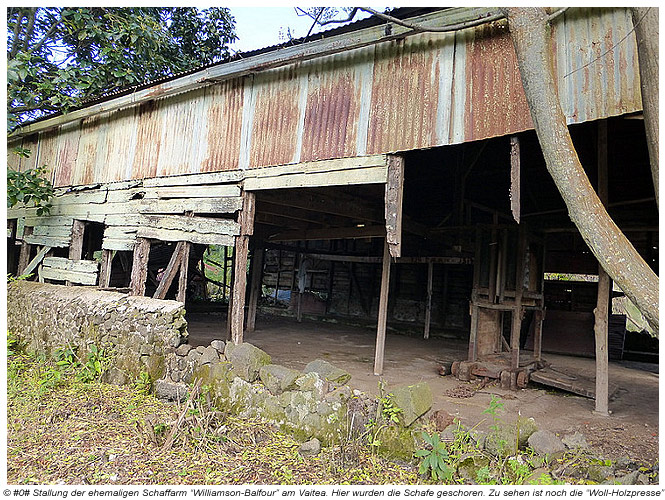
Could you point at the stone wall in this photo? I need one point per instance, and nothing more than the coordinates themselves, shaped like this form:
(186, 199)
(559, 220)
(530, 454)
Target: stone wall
(137, 333)
(315, 403)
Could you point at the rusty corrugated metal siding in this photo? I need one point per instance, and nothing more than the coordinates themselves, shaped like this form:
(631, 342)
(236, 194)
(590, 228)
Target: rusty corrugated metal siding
(422, 91)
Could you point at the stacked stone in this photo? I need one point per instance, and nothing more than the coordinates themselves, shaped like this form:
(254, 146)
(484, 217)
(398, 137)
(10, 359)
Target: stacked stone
(135, 332)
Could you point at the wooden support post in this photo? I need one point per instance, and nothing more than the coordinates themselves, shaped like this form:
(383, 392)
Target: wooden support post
(76, 244)
(515, 177)
(473, 335)
(171, 270)
(279, 270)
(24, 255)
(428, 305)
(393, 204)
(383, 312)
(37, 260)
(105, 268)
(602, 310)
(184, 268)
(601, 313)
(538, 334)
(255, 287)
(517, 310)
(140, 266)
(237, 308)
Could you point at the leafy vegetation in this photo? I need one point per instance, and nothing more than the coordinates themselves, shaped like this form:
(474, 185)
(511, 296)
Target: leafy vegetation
(60, 57)
(30, 186)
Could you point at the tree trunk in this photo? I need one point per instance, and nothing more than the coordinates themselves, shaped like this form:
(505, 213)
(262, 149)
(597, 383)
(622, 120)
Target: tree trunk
(529, 28)
(645, 20)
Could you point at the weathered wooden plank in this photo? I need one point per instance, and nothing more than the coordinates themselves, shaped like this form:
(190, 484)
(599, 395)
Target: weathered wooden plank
(52, 273)
(205, 225)
(76, 241)
(37, 260)
(320, 166)
(393, 204)
(371, 175)
(197, 205)
(120, 232)
(47, 241)
(140, 266)
(515, 177)
(215, 191)
(195, 179)
(184, 269)
(428, 303)
(97, 196)
(80, 266)
(105, 268)
(48, 220)
(123, 219)
(175, 235)
(53, 231)
(383, 312)
(24, 254)
(255, 286)
(118, 244)
(237, 307)
(170, 271)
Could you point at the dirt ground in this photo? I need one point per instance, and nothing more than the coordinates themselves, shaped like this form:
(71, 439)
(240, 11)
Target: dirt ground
(630, 431)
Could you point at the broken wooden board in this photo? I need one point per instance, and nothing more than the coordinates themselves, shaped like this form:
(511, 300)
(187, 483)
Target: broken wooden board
(83, 272)
(577, 384)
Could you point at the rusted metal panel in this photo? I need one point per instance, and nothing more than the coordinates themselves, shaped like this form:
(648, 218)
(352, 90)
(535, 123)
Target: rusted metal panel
(496, 104)
(224, 116)
(597, 67)
(91, 130)
(148, 141)
(184, 131)
(116, 147)
(276, 115)
(67, 152)
(333, 100)
(404, 94)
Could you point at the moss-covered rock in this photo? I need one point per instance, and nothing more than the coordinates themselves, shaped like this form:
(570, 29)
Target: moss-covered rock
(328, 371)
(397, 442)
(247, 360)
(278, 378)
(414, 400)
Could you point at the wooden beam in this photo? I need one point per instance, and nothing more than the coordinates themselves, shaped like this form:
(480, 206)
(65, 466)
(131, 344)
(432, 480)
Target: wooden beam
(37, 260)
(184, 267)
(76, 243)
(383, 312)
(105, 269)
(352, 176)
(516, 324)
(140, 266)
(340, 204)
(332, 233)
(255, 286)
(515, 177)
(428, 303)
(237, 307)
(393, 204)
(24, 254)
(170, 271)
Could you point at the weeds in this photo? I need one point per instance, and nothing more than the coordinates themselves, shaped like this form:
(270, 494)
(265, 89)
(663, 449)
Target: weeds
(435, 458)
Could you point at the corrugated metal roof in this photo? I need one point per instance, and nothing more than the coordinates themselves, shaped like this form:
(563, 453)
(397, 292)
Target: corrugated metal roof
(420, 91)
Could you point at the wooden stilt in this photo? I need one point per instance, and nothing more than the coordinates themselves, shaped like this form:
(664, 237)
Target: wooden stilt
(255, 287)
(170, 271)
(237, 308)
(383, 312)
(140, 266)
(184, 268)
(517, 310)
(601, 313)
(105, 269)
(538, 334)
(473, 335)
(428, 306)
(76, 245)
(24, 255)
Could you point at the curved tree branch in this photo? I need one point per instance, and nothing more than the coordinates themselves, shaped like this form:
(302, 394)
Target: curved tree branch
(529, 28)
